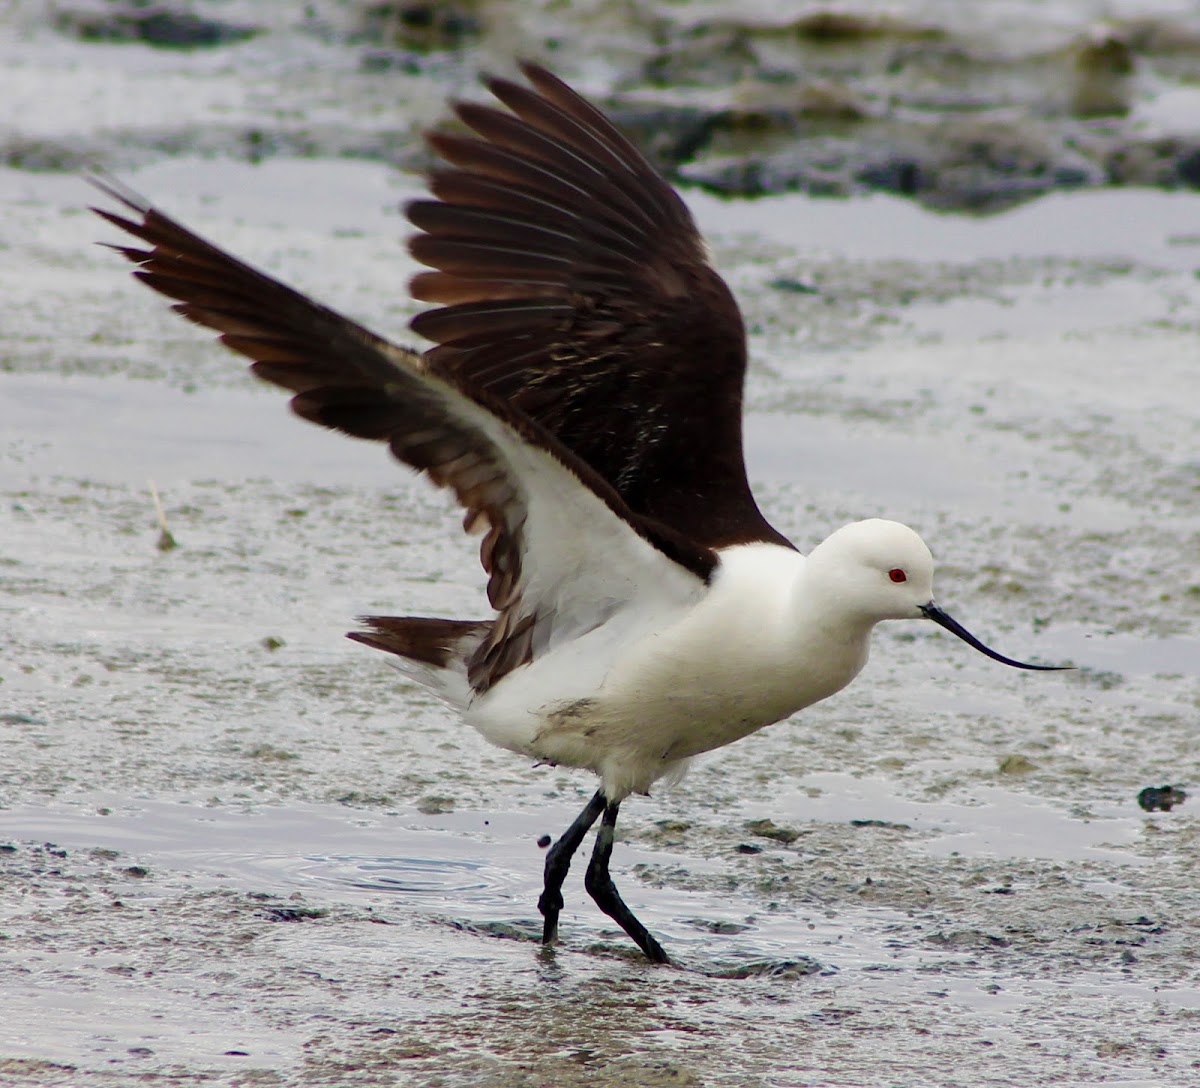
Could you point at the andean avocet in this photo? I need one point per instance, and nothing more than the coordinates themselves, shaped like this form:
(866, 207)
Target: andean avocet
(584, 404)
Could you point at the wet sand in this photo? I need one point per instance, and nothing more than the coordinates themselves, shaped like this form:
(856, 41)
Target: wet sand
(237, 848)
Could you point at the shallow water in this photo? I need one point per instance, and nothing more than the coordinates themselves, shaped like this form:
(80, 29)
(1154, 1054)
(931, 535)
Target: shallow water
(962, 836)
(277, 863)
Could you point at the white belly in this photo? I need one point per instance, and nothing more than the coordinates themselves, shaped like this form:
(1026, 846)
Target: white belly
(635, 698)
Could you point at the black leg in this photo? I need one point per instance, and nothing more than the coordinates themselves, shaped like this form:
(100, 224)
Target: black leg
(558, 862)
(601, 888)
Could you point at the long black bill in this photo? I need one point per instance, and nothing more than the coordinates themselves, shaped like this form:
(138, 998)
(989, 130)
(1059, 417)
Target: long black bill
(943, 619)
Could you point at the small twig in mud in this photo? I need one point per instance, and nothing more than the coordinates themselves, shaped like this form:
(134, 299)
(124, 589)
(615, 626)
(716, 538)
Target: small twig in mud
(165, 540)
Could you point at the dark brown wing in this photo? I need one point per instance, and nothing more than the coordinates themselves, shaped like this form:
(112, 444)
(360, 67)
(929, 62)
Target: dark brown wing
(576, 286)
(512, 477)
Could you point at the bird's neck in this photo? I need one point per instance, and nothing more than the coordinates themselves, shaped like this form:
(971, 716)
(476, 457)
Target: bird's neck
(832, 635)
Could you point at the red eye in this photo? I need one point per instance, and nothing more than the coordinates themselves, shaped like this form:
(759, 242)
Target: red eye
(897, 575)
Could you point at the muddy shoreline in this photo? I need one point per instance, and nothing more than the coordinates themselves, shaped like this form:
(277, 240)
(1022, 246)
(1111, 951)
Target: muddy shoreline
(948, 106)
(235, 847)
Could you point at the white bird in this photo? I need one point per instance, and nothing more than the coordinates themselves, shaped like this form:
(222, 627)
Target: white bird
(584, 404)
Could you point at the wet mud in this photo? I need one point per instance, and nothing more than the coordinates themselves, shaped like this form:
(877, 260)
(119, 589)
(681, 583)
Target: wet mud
(969, 107)
(235, 847)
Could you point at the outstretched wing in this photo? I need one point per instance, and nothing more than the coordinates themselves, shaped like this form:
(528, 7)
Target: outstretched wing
(560, 545)
(576, 286)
